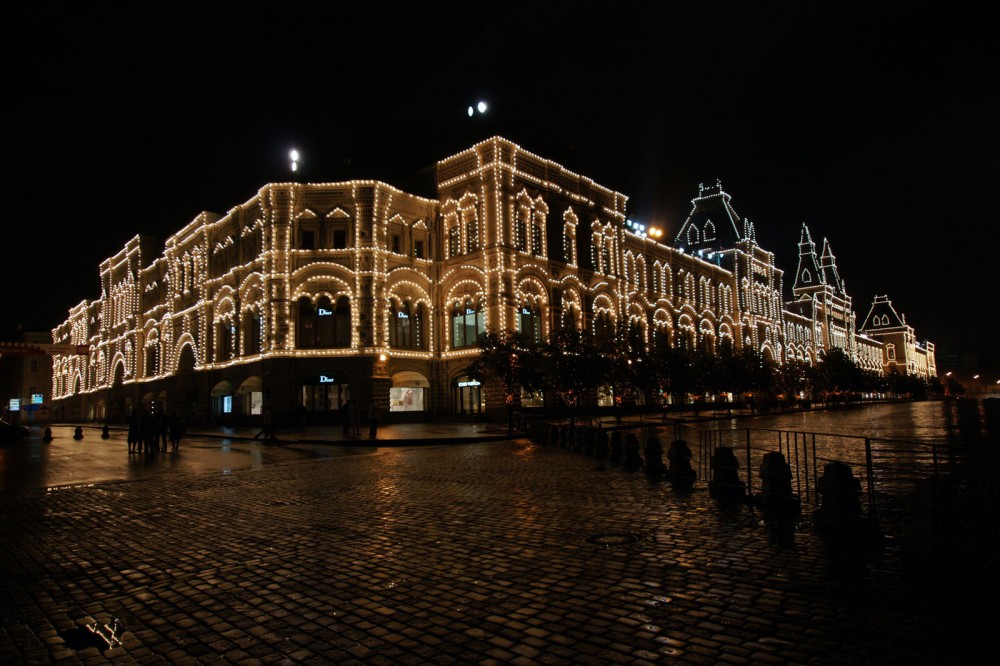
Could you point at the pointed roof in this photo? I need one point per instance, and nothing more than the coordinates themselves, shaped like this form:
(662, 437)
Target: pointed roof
(882, 316)
(712, 223)
(808, 274)
(829, 265)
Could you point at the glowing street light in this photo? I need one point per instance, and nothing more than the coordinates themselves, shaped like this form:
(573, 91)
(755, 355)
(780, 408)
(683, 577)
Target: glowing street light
(480, 107)
(293, 155)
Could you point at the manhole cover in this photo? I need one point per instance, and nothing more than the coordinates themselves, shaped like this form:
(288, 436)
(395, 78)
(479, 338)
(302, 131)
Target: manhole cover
(610, 540)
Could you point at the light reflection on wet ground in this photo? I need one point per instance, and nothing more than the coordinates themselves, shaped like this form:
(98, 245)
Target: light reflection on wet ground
(34, 464)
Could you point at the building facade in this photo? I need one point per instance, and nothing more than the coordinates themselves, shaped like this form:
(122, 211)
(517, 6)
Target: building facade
(310, 295)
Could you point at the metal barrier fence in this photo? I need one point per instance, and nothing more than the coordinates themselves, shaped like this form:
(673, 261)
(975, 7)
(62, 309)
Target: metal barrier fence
(935, 499)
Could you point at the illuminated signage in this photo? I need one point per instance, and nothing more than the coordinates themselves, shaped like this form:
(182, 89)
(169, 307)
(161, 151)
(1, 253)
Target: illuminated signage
(323, 379)
(402, 315)
(470, 383)
(37, 398)
(15, 404)
(323, 312)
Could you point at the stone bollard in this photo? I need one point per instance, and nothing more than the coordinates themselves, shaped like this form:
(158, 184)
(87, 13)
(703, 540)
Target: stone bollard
(47, 437)
(654, 457)
(633, 458)
(776, 496)
(617, 447)
(106, 432)
(602, 447)
(78, 433)
(840, 500)
(679, 470)
(726, 484)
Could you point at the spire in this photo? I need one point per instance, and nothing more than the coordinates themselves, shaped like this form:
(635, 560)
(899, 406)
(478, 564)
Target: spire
(808, 275)
(829, 265)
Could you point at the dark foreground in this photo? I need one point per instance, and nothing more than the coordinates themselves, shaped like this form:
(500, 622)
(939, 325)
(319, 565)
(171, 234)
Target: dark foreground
(479, 553)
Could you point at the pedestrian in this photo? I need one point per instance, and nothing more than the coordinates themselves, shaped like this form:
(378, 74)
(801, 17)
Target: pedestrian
(133, 433)
(164, 429)
(373, 420)
(267, 427)
(345, 416)
(147, 432)
(176, 430)
(355, 420)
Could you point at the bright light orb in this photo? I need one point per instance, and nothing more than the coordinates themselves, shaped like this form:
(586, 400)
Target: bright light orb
(471, 111)
(294, 155)
(482, 107)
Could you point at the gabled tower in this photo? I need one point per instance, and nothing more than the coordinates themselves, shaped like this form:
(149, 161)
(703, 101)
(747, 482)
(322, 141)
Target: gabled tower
(819, 297)
(712, 224)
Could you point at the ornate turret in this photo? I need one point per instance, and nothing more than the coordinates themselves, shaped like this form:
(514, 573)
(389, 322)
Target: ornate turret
(828, 263)
(713, 223)
(808, 274)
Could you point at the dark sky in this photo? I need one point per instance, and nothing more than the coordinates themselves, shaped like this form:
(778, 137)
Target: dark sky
(875, 124)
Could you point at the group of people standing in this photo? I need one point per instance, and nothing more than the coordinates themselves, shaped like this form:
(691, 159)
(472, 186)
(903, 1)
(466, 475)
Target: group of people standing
(350, 416)
(148, 433)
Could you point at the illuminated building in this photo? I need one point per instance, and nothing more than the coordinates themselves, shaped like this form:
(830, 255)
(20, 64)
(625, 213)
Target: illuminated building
(903, 353)
(308, 294)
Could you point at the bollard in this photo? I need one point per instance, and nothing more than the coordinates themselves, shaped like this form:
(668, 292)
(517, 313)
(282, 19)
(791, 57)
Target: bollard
(654, 457)
(840, 501)
(776, 496)
(726, 484)
(633, 459)
(679, 470)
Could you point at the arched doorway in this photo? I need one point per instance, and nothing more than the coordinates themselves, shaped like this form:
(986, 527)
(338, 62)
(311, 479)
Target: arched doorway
(250, 396)
(222, 402)
(408, 393)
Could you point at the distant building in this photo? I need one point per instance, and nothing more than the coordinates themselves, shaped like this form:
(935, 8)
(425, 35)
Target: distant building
(26, 382)
(903, 354)
(306, 295)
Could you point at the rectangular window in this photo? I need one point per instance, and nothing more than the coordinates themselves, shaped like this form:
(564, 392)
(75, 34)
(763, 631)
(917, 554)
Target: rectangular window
(34, 366)
(308, 241)
(454, 240)
(395, 243)
(339, 239)
(418, 249)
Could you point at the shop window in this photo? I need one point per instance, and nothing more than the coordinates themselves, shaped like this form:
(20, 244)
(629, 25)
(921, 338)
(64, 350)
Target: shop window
(468, 321)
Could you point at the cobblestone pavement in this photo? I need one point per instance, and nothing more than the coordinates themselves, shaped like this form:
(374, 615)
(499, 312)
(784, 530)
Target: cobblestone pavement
(480, 553)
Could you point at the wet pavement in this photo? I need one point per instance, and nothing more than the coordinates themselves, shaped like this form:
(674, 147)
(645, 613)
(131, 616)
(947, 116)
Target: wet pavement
(442, 545)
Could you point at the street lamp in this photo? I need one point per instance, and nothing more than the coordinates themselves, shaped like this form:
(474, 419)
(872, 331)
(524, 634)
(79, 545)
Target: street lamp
(294, 156)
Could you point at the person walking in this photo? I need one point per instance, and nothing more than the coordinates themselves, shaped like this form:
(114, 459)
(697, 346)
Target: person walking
(355, 419)
(134, 442)
(373, 420)
(345, 417)
(176, 430)
(267, 429)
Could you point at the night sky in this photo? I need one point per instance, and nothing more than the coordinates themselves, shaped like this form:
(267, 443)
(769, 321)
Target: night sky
(874, 124)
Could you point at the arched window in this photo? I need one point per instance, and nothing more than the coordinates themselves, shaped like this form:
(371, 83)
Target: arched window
(468, 320)
(569, 240)
(529, 322)
(325, 325)
(521, 228)
(406, 330)
(251, 332)
(342, 323)
(306, 325)
(454, 241)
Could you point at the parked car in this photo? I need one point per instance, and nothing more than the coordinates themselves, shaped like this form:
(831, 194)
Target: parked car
(10, 432)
